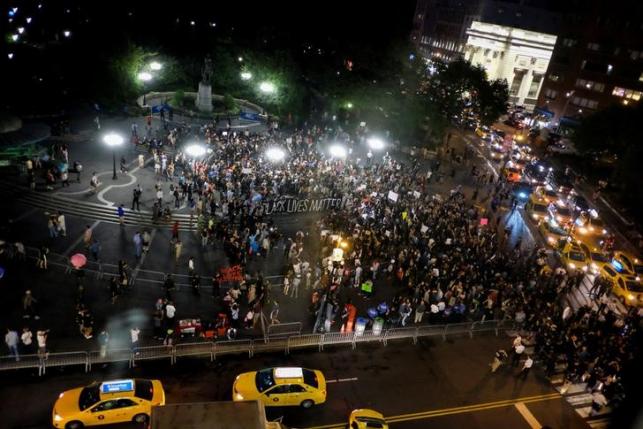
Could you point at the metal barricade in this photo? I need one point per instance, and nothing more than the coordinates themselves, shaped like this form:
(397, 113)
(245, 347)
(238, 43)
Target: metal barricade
(399, 333)
(272, 345)
(337, 338)
(457, 329)
(484, 326)
(112, 355)
(194, 349)
(65, 359)
(302, 341)
(283, 329)
(431, 331)
(233, 347)
(369, 336)
(154, 352)
(26, 361)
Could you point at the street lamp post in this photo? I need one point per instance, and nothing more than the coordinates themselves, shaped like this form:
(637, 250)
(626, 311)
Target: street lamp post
(113, 140)
(144, 77)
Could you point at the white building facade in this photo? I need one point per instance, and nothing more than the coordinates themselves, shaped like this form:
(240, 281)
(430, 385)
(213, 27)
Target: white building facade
(519, 56)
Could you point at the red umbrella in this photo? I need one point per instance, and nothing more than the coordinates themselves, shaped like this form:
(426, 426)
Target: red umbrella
(78, 260)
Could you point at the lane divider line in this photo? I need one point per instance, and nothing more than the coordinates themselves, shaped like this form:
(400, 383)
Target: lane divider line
(456, 410)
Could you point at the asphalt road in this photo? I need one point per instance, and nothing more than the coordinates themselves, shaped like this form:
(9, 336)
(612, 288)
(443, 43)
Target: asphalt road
(434, 384)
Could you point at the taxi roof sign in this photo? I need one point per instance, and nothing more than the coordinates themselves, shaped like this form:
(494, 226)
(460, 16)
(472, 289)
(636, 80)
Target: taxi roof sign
(289, 372)
(117, 386)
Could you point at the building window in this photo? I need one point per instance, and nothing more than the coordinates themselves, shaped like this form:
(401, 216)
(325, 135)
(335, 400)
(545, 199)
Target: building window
(516, 82)
(591, 85)
(584, 102)
(535, 84)
(550, 94)
(593, 46)
(568, 43)
(628, 94)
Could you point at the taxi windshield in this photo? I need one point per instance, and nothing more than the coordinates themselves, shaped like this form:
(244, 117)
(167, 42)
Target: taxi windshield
(634, 286)
(600, 257)
(88, 397)
(577, 256)
(264, 380)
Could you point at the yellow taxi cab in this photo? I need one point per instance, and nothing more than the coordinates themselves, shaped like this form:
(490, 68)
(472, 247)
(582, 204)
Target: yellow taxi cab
(625, 263)
(587, 226)
(536, 208)
(283, 386)
(573, 257)
(482, 131)
(552, 233)
(597, 258)
(547, 194)
(109, 402)
(627, 287)
(366, 419)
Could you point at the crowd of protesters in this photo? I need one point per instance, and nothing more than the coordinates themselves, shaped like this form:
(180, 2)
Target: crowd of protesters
(444, 256)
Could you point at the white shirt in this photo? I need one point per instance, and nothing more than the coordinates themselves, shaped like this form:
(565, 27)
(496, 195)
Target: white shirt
(42, 339)
(134, 334)
(170, 310)
(528, 363)
(26, 338)
(519, 349)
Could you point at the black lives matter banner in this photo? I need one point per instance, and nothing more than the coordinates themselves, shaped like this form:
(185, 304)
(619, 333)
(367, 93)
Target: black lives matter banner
(308, 205)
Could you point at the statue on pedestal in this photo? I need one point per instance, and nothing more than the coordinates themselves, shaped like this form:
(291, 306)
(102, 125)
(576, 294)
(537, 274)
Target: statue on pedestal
(204, 96)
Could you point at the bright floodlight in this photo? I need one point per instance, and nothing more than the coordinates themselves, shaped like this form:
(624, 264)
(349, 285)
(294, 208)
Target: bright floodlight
(195, 150)
(240, 59)
(21, 30)
(275, 154)
(155, 65)
(66, 33)
(144, 76)
(337, 151)
(113, 139)
(28, 20)
(246, 75)
(14, 37)
(267, 87)
(375, 143)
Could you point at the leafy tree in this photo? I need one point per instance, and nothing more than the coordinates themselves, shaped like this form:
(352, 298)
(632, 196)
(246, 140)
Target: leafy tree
(458, 85)
(229, 103)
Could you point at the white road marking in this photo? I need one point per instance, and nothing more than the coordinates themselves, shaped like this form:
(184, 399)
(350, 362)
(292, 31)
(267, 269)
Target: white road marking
(133, 180)
(526, 414)
(340, 380)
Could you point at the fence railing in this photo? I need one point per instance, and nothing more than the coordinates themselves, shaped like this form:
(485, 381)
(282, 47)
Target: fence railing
(213, 349)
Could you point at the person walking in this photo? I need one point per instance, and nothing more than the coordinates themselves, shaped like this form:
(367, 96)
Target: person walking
(103, 342)
(121, 215)
(41, 338)
(136, 196)
(51, 226)
(26, 338)
(87, 236)
(178, 247)
(11, 339)
(517, 354)
(526, 367)
(498, 360)
(113, 289)
(134, 334)
(141, 161)
(146, 240)
(138, 244)
(95, 250)
(29, 306)
(61, 224)
(419, 312)
(93, 183)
